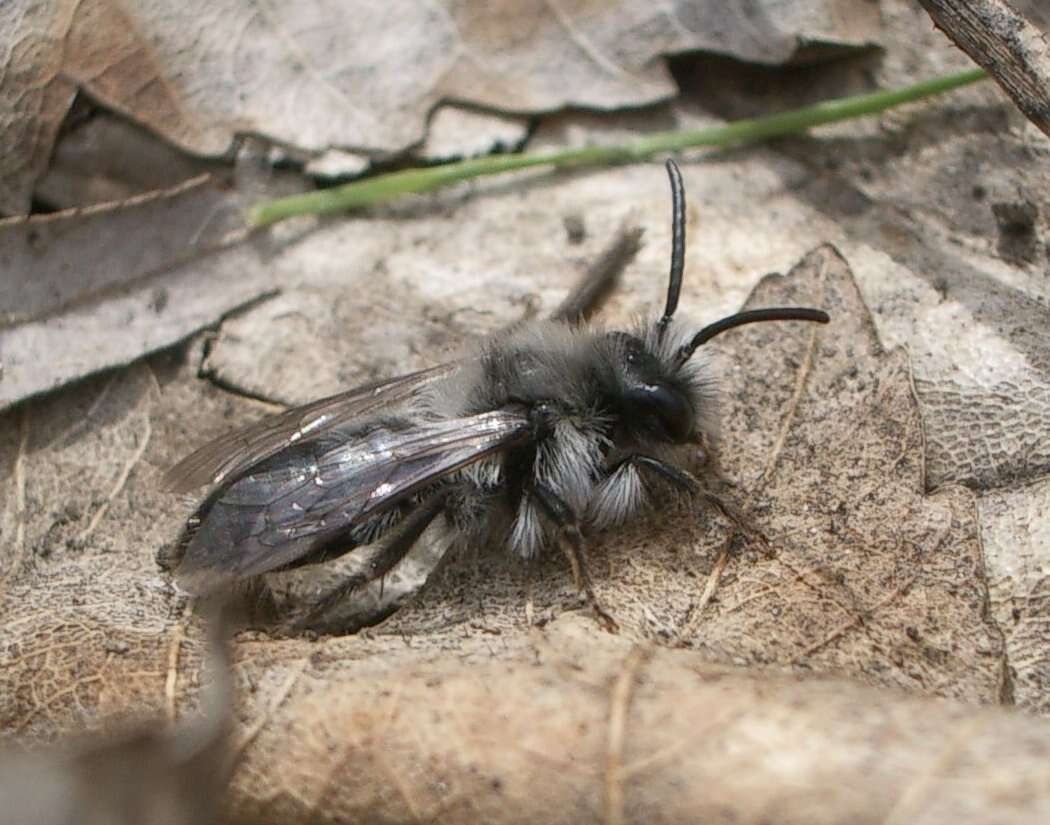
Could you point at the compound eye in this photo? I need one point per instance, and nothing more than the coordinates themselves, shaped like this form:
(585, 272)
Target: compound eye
(662, 409)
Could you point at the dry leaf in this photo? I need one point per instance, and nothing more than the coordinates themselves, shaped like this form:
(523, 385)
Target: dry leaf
(102, 158)
(924, 205)
(153, 774)
(1015, 530)
(113, 281)
(869, 577)
(570, 727)
(34, 98)
(317, 76)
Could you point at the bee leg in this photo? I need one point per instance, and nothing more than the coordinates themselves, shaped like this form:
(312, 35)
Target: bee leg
(688, 483)
(600, 278)
(570, 539)
(396, 545)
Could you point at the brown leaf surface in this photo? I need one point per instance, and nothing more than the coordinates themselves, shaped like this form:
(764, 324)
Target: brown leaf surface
(318, 75)
(582, 728)
(1015, 528)
(867, 577)
(154, 773)
(121, 279)
(103, 158)
(33, 101)
(942, 214)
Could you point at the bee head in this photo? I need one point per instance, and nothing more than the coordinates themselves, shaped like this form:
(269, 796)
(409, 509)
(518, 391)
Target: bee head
(662, 396)
(654, 404)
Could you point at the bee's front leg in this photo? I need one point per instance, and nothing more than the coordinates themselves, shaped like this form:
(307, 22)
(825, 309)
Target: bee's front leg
(570, 539)
(688, 483)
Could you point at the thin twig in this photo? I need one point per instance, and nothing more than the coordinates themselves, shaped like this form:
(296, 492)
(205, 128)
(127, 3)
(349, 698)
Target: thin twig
(801, 377)
(619, 703)
(1000, 39)
(713, 580)
(855, 620)
(171, 681)
(279, 699)
(118, 485)
(19, 549)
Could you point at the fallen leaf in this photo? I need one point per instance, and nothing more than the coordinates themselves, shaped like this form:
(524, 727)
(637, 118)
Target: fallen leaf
(152, 773)
(121, 279)
(1015, 532)
(34, 98)
(456, 132)
(868, 577)
(910, 199)
(574, 727)
(102, 158)
(323, 76)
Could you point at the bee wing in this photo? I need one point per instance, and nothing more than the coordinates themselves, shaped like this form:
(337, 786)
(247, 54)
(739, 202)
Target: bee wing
(234, 452)
(281, 512)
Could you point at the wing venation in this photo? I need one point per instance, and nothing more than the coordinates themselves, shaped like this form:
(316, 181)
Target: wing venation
(283, 510)
(237, 451)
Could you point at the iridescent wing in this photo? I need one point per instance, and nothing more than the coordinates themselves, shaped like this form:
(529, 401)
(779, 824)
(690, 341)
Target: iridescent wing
(237, 451)
(318, 492)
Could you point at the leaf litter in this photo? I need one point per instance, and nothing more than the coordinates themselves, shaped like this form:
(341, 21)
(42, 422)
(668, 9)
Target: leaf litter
(864, 573)
(321, 76)
(865, 577)
(850, 617)
(496, 680)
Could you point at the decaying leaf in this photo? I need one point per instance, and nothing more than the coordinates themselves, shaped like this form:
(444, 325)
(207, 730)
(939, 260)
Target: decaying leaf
(948, 241)
(872, 576)
(102, 158)
(122, 279)
(33, 100)
(865, 576)
(495, 682)
(154, 774)
(88, 622)
(569, 726)
(865, 573)
(1015, 528)
(322, 75)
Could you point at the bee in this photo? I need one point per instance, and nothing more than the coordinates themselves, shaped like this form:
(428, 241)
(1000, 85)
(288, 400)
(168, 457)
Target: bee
(538, 435)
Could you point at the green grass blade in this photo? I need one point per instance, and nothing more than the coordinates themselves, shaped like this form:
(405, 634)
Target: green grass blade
(383, 188)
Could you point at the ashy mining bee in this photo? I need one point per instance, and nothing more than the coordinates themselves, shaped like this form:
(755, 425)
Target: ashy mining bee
(537, 434)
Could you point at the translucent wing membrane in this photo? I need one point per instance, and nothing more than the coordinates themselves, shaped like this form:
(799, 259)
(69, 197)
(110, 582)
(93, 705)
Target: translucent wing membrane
(237, 451)
(315, 493)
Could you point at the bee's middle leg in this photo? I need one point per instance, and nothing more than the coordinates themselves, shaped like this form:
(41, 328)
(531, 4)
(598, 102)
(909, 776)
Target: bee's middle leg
(561, 515)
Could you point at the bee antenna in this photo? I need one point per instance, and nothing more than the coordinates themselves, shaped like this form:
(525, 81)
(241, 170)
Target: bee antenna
(674, 286)
(750, 316)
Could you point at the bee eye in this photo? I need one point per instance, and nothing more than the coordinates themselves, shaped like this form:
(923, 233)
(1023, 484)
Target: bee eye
(662, 409)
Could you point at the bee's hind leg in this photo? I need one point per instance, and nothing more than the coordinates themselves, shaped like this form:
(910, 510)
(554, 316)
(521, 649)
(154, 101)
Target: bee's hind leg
(395, 546)
(570, 539)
